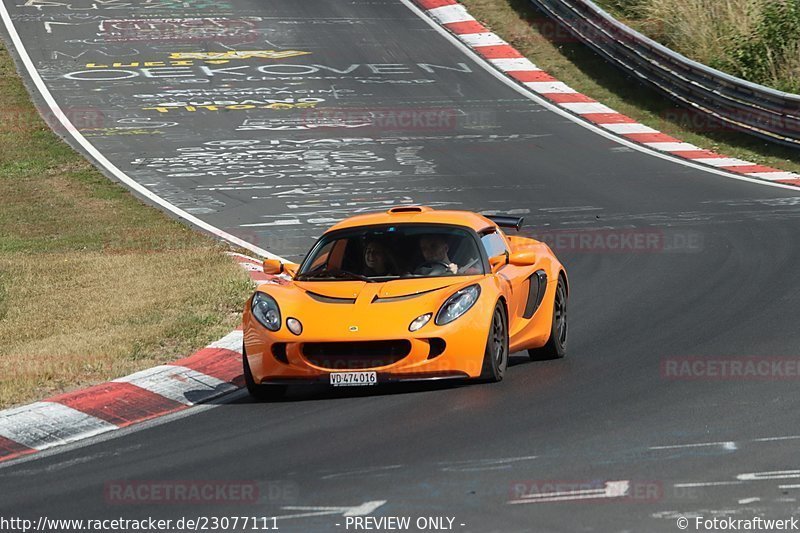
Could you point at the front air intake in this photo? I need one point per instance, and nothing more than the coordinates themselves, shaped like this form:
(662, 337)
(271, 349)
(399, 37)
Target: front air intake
(279, 352)
(437, 347)
(355, 354)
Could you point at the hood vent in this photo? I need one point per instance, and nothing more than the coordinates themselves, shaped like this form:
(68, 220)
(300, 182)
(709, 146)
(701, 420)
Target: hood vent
(389, 299)
(330, 299)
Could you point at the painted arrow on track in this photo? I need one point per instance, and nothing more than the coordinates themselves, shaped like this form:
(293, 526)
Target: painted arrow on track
(612, 489)
(358, 510)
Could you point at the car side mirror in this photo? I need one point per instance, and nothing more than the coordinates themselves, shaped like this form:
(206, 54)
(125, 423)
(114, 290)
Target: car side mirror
(527, 258)
(497, 262)
(273, 266)
(290, 268)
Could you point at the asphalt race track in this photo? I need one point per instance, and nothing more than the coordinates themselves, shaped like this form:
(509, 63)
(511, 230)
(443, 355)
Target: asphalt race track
(367, 106)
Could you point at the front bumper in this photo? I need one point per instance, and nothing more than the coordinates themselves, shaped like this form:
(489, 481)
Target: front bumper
(454, 351)
(383, 378)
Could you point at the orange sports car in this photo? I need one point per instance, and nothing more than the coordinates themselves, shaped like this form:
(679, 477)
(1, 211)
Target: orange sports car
(404, 295)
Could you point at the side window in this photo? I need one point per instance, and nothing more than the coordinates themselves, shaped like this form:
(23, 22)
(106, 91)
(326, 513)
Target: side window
(494, 244)
(321, 259)
(337, 255)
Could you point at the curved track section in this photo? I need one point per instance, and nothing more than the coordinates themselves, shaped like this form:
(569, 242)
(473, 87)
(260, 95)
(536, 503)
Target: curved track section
(307, 112)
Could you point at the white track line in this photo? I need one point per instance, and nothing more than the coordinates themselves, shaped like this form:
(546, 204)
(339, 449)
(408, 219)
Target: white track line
(706, 484)
(775, 175)
(770, 439)
(728, 445)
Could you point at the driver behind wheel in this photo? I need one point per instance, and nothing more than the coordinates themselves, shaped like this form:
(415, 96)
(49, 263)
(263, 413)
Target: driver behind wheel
(434, 250)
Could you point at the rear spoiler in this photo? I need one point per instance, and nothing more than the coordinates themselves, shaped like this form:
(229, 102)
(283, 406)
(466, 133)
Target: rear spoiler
(506, 221)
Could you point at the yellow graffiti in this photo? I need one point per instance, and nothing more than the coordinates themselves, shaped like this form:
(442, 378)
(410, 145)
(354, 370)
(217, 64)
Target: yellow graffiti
(107, 132)
(135, 64)
(186, 59)
(233, 107)
(239, 54)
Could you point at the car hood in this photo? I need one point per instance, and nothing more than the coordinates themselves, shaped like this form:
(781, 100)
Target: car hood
(396, 288)
(357, 310)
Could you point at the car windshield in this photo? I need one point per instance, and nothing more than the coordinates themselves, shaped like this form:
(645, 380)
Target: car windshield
(381, 253)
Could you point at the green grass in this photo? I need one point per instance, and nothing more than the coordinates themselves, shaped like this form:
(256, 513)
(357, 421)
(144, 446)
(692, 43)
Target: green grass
(757, 40)
(553, 50)
(93, 284)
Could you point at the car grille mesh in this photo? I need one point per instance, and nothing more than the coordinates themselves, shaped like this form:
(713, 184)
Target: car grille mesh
(355, 354)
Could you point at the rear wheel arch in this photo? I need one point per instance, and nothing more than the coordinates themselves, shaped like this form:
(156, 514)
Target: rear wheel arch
(562, 275)
(556, 345)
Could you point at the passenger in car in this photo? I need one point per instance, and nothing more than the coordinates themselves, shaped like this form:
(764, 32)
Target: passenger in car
(377, 260)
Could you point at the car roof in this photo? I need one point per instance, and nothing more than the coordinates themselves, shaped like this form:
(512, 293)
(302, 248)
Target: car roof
(408, 214)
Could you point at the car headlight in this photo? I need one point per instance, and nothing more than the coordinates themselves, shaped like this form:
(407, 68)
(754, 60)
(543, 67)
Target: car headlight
(294, 325)
(266, 311)
(420, 321)
(458, 304)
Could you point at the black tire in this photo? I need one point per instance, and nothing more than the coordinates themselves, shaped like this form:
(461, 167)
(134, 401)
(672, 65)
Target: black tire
(556, 346)
(261, 393)
(495, 355)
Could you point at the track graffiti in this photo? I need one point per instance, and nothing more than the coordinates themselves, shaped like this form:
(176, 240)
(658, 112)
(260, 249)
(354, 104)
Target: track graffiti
(242, 160)
(221, 30)
(97, 5)
(234, 105)
(158, 69)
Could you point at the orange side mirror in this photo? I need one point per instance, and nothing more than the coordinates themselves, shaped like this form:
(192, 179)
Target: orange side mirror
(497, 262)
(273, 266)
(526, 258)
(290, 268)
